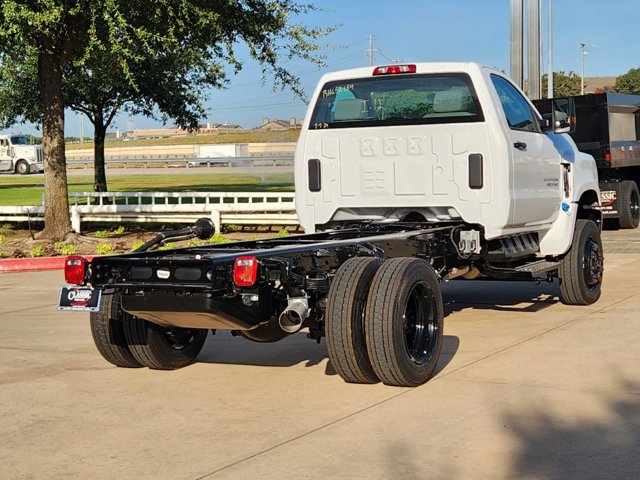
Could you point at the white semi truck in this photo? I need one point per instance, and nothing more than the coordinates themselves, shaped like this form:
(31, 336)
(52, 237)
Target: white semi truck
(406, 176)
(17, 156)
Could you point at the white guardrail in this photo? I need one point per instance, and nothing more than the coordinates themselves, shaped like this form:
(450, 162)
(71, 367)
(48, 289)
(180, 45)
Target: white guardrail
(238, 208)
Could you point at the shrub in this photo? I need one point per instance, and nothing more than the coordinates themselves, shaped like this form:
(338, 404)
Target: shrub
(283, 233)
(194, 243)
(218, 238)
(3, 239)
(104, 249)
(37, 251)
(137, 244)
(64, 249)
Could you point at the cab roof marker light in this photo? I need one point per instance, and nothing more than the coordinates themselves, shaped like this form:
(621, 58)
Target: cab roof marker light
(394, 69)
(245, 271)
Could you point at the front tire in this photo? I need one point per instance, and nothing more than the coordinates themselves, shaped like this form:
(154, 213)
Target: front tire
(163, 348)
(404, 322)
(23, 168)
(344, 320)
(629, 204)
(582, 268)
(108, 333)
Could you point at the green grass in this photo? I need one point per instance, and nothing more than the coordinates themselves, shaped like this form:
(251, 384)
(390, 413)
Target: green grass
(27, 190)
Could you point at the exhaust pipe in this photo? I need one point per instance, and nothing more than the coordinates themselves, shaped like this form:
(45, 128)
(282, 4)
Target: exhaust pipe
(292, 318)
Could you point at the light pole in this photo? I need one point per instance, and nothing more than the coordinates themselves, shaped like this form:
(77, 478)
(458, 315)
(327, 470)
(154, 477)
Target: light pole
(583, 53)
(550, 55)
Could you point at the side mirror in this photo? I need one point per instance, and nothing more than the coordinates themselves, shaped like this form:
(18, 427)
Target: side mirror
(563, 115)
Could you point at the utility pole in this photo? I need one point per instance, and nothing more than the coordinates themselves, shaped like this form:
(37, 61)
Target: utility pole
(583, 53)
(81, 127)
(371, 50)
(550, 56)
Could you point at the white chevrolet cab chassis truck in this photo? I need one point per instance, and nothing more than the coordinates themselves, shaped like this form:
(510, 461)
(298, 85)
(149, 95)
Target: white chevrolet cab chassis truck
(406, 176)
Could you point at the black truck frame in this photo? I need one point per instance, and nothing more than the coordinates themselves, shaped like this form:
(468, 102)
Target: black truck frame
(372, 289)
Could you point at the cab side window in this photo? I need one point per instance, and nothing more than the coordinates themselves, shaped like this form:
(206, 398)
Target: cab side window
(516, 108)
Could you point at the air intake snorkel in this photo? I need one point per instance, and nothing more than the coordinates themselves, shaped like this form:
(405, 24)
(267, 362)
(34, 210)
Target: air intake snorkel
(203, 229)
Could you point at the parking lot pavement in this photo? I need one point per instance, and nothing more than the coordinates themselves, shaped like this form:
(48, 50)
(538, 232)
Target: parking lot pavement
(526, 388)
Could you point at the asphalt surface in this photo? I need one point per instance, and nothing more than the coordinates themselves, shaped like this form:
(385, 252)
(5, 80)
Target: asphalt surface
(526, 388)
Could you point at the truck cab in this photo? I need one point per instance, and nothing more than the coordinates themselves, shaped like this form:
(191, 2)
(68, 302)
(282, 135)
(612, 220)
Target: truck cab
(17, 156)
(438, 142)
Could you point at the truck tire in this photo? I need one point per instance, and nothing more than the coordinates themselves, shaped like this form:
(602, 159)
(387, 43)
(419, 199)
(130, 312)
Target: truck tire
(108, 333)
(581, 269)
(22, 167)
(344, 320)
(404, 322)
(163, 348)
(629, 204)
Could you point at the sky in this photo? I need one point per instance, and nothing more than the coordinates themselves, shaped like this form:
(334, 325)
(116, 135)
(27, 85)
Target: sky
(420, 31)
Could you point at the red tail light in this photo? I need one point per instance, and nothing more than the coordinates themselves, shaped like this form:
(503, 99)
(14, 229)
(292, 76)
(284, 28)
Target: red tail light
(245, 271)
(74, 270)
(607, 157)
(394, 69)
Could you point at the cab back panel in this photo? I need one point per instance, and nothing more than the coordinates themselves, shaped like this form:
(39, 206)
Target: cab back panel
(391, 168)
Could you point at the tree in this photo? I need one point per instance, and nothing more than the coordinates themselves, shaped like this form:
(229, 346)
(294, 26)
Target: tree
(103, 55)
(46, 34)
(564, 84)
(628, 82)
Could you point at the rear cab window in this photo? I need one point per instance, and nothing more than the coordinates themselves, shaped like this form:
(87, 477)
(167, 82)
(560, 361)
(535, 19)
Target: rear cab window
(408, 99)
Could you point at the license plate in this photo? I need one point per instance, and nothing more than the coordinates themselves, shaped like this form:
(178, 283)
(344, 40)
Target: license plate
(81, 299)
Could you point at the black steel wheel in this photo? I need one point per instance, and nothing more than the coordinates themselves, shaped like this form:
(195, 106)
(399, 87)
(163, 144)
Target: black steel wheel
(163, 348)
(404, 322)
(108, 333)
(582, 268)
(344, 320)
(629, 204)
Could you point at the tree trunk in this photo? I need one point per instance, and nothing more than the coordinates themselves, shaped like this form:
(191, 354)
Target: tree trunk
(57, 224)
(100, 132)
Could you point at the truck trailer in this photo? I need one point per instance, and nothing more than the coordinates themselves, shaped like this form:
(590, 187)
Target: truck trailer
(406, 176)
(608, 128)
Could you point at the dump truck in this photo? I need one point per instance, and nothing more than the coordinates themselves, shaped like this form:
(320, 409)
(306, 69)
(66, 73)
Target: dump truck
(608, 128)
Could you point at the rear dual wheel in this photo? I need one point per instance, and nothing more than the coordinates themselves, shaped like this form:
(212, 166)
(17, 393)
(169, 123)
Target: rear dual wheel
(127, 341)
(404, 322)
(163, 348)
(107, 329)
(384, 321)
(629, 204)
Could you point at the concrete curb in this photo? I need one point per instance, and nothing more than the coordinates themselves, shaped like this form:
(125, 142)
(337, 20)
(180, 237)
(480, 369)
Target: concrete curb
(31, 264)
(9, 265)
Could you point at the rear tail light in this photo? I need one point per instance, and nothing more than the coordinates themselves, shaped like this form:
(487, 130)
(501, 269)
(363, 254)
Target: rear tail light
(74, 270)
(607, 157)
(394, 69)
(245, 271)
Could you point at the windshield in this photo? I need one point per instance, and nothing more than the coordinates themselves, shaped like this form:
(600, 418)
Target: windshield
(397, 100)
(21, 140)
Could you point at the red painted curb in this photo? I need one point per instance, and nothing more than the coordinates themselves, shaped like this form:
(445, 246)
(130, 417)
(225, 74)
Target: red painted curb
(10, 265)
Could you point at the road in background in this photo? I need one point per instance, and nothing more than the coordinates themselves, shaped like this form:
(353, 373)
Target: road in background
(526, 388)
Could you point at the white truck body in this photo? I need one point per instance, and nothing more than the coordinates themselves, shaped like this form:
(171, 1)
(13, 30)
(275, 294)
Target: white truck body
(17, 156)
(462, 160)
(222, 150)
